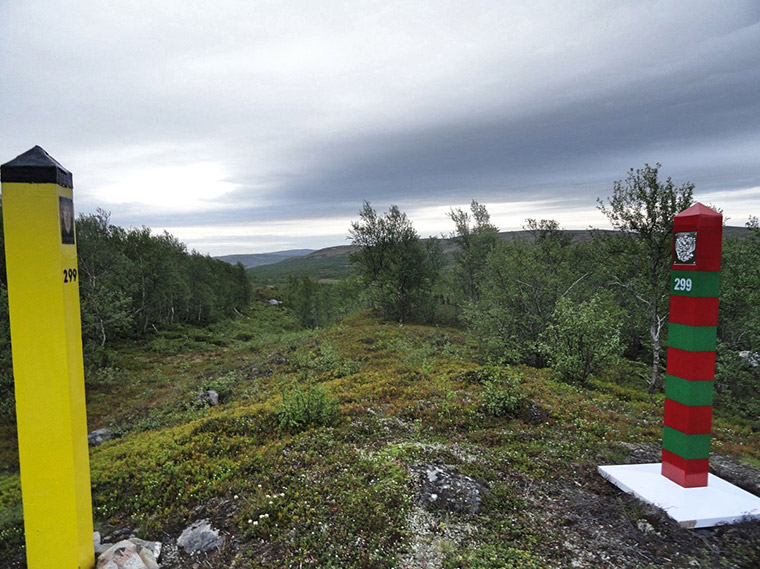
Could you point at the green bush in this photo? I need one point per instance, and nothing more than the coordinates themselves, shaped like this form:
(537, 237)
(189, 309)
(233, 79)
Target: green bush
(582, 337)
(302, 408)
(325, 358)
(501, 396)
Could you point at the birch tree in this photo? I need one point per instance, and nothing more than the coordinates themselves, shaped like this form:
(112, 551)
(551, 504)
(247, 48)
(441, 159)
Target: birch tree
(642, 207)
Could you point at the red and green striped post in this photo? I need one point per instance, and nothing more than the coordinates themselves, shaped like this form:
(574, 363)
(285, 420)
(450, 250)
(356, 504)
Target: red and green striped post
(694, 290)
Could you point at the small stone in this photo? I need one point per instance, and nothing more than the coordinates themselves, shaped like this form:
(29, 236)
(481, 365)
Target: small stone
(99, 436)
(98, 545)
(210, 396)
(753, 358)
(120, 534)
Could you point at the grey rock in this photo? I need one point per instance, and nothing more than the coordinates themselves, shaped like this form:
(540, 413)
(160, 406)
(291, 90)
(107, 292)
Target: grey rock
(200, 537)
(99, 436)
(210, 396)
(127, 555)
(101, 548)
(274, 302)
(97, 545)
(442, 488)
(120, 534)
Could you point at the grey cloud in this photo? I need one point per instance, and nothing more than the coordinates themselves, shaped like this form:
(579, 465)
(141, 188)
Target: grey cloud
(416, 104)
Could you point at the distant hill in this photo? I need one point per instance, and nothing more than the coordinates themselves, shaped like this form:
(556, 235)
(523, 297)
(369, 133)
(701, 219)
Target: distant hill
(325, 264)
(332, 263)
(259, 259)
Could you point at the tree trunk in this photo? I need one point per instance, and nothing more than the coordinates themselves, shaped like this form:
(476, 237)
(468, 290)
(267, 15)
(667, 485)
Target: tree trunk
(655, 330)
(655, 363)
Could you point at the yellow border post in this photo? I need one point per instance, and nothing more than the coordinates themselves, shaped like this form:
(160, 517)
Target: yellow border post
(43, 299)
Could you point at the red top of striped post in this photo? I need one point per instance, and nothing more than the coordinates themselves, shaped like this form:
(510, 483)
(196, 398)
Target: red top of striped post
(708, 224)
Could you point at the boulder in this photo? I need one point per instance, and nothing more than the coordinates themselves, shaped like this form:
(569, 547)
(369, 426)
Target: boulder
(200, 537)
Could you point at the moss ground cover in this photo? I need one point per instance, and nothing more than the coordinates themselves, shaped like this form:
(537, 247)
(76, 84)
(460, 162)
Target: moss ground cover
(324, 479)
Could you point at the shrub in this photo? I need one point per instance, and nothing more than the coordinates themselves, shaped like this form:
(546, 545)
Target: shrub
(501, 396)
(302, 408)
(324, 359)
(582, 337)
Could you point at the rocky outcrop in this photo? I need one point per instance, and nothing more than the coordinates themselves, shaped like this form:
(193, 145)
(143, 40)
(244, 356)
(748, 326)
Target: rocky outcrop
(441, 487)
(200, 537)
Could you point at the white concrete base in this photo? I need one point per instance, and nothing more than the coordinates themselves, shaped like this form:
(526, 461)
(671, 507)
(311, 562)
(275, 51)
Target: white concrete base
(719, 502)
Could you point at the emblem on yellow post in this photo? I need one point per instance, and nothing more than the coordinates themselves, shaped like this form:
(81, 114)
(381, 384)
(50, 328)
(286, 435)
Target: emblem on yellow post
(46, 341)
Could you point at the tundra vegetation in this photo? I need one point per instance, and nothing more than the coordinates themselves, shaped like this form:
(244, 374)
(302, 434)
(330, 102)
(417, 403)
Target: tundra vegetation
(521, 364)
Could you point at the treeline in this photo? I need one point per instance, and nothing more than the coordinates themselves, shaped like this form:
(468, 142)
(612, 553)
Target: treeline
(132, 283)
(547, 301)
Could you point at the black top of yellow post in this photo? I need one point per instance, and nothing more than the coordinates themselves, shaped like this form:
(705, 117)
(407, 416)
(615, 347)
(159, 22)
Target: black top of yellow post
(36, 166)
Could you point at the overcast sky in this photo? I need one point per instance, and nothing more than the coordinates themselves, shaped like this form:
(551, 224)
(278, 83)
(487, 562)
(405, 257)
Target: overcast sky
(251, 126)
